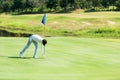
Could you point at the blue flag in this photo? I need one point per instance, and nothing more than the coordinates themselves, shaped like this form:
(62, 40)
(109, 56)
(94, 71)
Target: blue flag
(44, 19)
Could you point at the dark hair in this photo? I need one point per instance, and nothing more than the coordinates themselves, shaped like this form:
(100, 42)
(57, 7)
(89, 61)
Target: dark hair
(44, 42)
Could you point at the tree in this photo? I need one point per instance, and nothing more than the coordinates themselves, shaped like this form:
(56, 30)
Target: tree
(82, 4)
(105, 3)
(19, 5)
(96, 3)
(64, 4)
(88, 4)
(113, 2)
(6, 5)
(74, 4)
(31, 4)
(118, 4)
(53, 4)
(42, 4)
(22, 6)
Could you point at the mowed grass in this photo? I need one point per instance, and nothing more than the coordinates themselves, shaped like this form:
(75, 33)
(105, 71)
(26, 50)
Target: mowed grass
(67, 58)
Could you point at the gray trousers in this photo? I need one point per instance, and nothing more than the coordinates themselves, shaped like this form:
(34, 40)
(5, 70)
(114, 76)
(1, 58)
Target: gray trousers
(27, 45)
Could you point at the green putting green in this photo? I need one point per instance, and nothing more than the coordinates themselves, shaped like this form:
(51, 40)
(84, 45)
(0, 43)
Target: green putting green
(67, 58)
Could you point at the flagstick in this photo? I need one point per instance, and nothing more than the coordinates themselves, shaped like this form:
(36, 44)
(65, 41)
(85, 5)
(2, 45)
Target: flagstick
(44, 30)
(44, 21)
(44, 37)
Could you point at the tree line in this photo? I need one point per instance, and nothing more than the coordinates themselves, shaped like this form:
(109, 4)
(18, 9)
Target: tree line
(39, 6)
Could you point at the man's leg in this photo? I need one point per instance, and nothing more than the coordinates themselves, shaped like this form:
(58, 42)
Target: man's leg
(36, 47)
(24, 49)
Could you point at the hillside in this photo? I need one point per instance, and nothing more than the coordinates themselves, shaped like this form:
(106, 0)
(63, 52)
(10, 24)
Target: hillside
(92, 24)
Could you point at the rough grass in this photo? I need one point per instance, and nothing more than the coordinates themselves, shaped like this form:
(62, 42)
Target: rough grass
(67, 58)
(63, 24)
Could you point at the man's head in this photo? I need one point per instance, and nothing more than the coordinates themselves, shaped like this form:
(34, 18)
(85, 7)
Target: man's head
(44, 42)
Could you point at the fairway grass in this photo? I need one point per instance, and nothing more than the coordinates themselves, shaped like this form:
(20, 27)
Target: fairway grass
(67, 58)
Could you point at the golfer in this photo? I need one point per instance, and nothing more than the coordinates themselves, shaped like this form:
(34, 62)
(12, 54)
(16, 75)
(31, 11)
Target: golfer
(35, 39)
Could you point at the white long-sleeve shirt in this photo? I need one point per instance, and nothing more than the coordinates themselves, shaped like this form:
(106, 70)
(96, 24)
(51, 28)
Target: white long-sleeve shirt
(36, 38)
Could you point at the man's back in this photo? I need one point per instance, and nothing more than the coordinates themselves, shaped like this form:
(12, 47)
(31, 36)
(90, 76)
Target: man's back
(36, 38)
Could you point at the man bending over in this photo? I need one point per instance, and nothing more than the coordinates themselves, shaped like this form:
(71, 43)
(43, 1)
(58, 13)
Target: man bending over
(35, 39)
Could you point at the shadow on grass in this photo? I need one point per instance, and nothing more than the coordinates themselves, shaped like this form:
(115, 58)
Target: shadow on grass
(20, 57)
(25, 58)
(17, 57)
